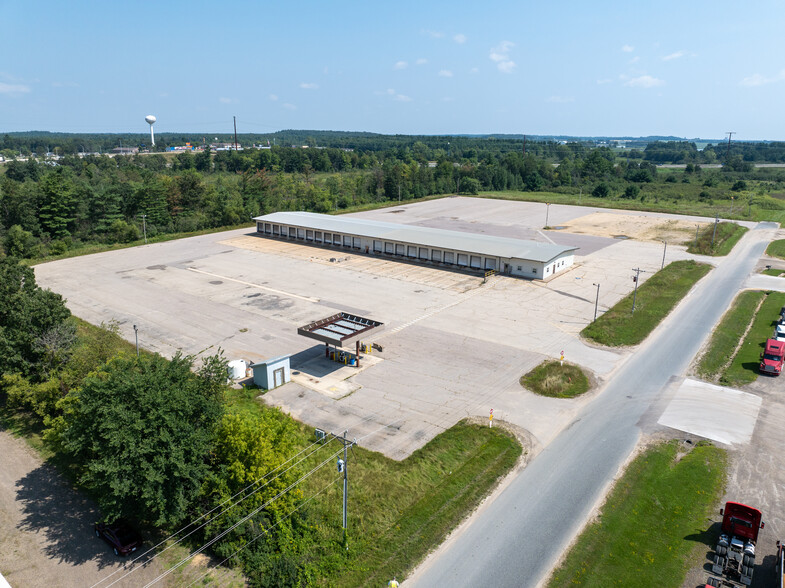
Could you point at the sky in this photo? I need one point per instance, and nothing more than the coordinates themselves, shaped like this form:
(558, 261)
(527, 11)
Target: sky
(692, 69)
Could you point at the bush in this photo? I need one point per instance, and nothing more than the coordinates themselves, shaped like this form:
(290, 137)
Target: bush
(601, 190)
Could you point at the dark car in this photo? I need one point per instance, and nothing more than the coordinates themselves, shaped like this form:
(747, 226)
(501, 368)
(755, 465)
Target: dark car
(119, 535)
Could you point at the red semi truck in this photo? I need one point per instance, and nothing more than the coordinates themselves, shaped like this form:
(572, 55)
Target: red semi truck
(734, 557)
(773, 357)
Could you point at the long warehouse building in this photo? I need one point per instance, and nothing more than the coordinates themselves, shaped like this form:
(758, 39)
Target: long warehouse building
(445, 248)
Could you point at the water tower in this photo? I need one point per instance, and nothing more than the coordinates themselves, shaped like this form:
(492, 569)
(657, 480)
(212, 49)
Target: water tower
(150, 120)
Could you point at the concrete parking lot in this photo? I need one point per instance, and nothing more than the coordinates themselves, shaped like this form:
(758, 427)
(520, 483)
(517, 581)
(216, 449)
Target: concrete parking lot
(453, 345)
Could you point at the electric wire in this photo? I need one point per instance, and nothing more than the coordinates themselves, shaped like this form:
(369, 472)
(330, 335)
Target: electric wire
(319, 442)
(263, 532)
(210, 512)
(241, 521)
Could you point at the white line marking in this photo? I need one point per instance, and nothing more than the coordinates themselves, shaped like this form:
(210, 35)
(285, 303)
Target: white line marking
(289, 294)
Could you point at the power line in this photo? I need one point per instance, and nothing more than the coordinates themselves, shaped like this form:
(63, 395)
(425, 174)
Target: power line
(219, 506)
(241, 521)
(263, 532)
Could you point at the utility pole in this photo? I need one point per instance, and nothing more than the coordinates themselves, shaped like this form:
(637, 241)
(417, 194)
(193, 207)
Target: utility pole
(343, 469)
(235, 132)
(714, 234)
(144, 227)
(727, 152)
(635, 279)
(596, 301)
(136, 336)
(664, 249)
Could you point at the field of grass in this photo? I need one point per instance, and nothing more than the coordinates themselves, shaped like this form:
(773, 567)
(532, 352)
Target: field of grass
(653, 523)
(776, 248)
(725, 238)
(728, 333)
(773, 272)
(744, 367)
(655, 299)
(557, 381)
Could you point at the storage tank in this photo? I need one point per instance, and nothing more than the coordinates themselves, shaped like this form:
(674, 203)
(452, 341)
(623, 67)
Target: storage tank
(237, 369)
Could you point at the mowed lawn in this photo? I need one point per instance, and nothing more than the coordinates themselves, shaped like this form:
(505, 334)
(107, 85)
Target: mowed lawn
(654, 522)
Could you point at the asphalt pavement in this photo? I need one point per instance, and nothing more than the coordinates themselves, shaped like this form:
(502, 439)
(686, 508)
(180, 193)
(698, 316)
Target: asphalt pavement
(517, 539)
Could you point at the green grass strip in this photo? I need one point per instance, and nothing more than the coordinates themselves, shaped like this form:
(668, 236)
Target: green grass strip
(555, 380)
(652, 522)
(773, 272)
(744, 367)
(776, 248)
(398, 511)
(655, 299)
(724, 239)
(728, 333)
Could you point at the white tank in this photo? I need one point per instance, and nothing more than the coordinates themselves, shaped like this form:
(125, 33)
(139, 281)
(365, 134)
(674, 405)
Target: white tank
(236, 369)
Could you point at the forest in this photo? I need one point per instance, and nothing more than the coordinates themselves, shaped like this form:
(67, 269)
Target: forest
(52, 207)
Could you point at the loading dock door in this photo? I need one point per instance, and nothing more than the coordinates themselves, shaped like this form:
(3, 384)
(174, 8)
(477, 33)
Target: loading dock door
(423, 253)
(336, 239)
(309, 235)
(475, 262)
(328, 238)
(292, 233)
(412, 251)
(463, 259)
(449, 257)
(399, 249)
(377, 246)
(356, 242)
(436, 255)
(389, 248)
(347, 241)
(490, 263)
(317, 236)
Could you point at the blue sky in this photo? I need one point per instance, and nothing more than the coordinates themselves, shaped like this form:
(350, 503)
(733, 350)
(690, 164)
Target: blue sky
(690, 69)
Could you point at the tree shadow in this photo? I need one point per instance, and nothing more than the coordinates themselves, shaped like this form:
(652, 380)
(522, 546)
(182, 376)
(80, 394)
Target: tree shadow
(51, 508)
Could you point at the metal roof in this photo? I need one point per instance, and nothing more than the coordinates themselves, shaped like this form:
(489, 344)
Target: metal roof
(426, 236)
(340, 329)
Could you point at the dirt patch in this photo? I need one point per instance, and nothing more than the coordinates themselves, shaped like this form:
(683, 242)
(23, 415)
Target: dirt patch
(640, 228)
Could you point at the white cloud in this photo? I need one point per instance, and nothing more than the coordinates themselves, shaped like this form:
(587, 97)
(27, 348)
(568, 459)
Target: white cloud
(759, 80)
(223, 100)
(288, 106)
(309, 86)
(628, 48)
(675, 55)
(402, 98)
(604, 81)
(434, 34)
(561, 99)
(501, 56)
(13, 88)
(644, 82)
(445, 73)
(421, 61)
(459, 38)
(635, 59)
(401, 65)
(273, 97)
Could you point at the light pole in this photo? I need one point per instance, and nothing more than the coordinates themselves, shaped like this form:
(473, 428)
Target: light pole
(136, 336)
(596, 301)
(664, 249)
(144, 227)
(635, 279)
(547, 210)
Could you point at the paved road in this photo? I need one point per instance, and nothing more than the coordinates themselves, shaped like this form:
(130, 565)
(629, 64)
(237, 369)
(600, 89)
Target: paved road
(517, 539)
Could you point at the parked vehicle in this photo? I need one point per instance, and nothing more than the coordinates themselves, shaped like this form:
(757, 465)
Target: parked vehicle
(773, 357)
(734, 557)
(780, 564)
(120, 536)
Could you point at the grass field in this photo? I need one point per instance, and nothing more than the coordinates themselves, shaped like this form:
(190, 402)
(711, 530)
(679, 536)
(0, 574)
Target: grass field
(725, 238)
(744, 367)
(773, 272)
(728, 333)
(654, 522)
(776, 248)
(557, 381)
(655, 299)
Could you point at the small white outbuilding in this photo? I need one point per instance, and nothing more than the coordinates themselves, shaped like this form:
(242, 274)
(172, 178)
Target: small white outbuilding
(271, 373)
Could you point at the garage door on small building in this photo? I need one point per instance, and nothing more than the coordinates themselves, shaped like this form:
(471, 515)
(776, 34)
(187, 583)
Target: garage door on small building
(271, 373)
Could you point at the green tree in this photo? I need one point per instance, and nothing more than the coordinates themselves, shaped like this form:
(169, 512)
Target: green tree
(56, 212)
(601, 190)
(141, 430)
(18, 242)
(27, 315)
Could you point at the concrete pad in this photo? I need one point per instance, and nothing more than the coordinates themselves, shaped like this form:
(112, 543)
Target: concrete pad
(764, 282)
(330, 378)
(721, 414)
